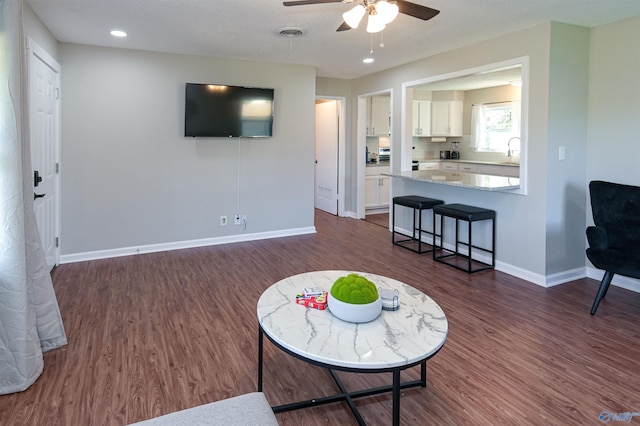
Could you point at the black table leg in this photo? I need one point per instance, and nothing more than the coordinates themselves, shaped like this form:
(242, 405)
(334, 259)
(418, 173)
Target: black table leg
(423, 374)
(396, 397)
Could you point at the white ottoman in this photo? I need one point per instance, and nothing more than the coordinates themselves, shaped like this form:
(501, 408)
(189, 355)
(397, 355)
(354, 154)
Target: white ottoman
(251, 409)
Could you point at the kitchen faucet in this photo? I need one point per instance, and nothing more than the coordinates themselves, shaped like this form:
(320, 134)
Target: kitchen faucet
(509, 145)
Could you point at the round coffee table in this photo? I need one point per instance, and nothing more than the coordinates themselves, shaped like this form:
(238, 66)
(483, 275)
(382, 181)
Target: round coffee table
(394, 341)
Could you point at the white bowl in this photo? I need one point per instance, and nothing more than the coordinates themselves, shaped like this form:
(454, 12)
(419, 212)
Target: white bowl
(351, 312)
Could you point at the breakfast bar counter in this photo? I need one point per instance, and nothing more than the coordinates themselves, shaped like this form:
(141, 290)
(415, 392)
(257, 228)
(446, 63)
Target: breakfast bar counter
(462, 179)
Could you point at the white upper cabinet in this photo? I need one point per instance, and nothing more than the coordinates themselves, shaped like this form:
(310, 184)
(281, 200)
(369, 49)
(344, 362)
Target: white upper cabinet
(421, 118)
(446, 118)
(379, 116)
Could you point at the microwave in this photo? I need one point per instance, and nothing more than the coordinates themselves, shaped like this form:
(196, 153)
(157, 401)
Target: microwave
(384, 154)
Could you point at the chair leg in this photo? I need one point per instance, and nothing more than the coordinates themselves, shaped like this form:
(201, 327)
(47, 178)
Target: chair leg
(602, 291)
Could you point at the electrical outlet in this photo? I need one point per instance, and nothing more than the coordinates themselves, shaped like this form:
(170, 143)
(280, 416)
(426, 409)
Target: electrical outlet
(223, 221)
(236, 220)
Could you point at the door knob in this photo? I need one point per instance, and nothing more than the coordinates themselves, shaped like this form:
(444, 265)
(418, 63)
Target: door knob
(36, 196)
(36, 178)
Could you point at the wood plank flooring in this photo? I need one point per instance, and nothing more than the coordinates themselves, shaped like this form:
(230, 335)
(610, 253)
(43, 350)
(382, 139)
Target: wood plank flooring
(156, 333)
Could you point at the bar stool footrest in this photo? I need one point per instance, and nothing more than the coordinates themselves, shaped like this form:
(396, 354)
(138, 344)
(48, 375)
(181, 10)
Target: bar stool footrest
(418, 204)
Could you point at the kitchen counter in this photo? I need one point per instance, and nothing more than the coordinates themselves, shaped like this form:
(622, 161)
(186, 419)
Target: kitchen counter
(462, 179)
(491, 163)
(384, 163)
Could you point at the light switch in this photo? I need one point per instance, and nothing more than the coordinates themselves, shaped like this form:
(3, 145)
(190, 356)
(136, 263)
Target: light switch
(561, 153)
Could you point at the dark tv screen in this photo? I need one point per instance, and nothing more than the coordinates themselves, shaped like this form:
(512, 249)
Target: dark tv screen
(213, 110)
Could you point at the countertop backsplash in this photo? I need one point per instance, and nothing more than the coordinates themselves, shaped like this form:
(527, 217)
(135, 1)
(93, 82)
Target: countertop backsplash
(425, 150)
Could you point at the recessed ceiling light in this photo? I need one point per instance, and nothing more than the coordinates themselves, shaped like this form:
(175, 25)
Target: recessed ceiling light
(118, 33)
(368, 60)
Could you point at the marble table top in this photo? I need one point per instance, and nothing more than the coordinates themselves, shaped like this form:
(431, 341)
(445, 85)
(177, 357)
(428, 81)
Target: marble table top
(463, 179)
(413, 333)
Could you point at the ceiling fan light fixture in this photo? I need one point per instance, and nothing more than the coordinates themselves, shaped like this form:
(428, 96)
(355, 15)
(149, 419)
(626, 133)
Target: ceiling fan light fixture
(375, 24)
(354, 16)
(386, 11)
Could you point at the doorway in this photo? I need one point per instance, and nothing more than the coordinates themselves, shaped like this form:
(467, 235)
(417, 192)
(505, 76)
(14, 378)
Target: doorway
(329, 155)
(374, 142)
(44, 137)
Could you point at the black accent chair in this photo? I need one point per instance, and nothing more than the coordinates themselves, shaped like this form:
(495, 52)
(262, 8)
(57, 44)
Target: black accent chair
(614, 241)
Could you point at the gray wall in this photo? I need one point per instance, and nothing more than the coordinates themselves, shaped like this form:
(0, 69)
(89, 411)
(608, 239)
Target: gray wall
(566, 185)
(614, 111)
(130, 179)
(34, 29)
(521, 220)
(129, 176)
(577, 99)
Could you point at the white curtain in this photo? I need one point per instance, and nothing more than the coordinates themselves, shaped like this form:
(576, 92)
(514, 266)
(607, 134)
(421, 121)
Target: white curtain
(478, 126)
(30, 321)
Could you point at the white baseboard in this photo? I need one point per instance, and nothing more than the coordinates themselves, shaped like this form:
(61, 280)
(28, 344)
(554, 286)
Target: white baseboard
(539, 279)
(177, 245)
(618, 280)
(352, 215)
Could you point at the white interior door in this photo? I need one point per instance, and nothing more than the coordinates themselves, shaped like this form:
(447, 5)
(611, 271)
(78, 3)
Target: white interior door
(326, 146)
(44, 134)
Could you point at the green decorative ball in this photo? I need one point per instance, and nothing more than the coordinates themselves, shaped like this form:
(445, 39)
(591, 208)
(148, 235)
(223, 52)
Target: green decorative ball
(354, 289)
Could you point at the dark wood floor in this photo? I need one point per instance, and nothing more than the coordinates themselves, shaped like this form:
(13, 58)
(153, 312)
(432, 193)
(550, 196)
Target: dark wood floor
(156, 333)
(380, 219)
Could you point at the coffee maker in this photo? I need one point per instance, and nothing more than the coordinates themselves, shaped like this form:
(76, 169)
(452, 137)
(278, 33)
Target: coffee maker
(455, 154)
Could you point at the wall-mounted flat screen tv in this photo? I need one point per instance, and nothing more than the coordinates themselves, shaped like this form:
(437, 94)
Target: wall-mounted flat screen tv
(213, 110)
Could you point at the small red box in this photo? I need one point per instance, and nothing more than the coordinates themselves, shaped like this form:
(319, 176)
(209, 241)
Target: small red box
(316, 302)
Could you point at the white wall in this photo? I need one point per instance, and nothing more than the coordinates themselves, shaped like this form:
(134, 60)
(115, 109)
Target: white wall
(129, 176)
(34, 29)
(614, 112)
(566, 179)
(614, 103)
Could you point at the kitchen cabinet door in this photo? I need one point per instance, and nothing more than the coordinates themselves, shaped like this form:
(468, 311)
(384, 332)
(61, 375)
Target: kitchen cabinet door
(421, 125)
(379, 116)
(446, 118)
(498, 170)
(469, 168)
(429, 166)
(377, 191)
(385, 191)
(448, 166)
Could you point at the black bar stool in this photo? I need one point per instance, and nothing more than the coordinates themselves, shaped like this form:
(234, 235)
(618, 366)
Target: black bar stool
(468, 214)
(418, 204)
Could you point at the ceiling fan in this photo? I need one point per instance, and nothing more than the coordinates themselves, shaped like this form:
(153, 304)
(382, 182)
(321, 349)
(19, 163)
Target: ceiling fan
(379, 12)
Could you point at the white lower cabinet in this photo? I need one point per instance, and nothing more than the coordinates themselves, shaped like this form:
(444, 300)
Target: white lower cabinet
(448, 166)
(377, 192)
(467, 167)
(377, 187)
(428, 166)
(497, 170)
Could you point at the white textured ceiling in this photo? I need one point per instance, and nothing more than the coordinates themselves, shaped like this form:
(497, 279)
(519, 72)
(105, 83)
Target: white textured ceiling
(249, 29)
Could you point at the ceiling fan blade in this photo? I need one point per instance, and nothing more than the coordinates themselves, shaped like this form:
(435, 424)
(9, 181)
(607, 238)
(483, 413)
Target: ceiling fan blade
(417, 11)
(305, 2)
(344, 27)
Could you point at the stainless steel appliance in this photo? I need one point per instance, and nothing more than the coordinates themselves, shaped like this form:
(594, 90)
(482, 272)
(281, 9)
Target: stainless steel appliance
(455, 154)
(384, 154)
(445, 155)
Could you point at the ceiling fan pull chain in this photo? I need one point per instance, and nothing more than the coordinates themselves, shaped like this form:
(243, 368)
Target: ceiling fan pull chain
(382, 38)
(371, 44)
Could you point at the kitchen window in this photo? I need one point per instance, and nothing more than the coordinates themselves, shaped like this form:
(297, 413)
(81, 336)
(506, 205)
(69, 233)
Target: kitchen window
(494, 125)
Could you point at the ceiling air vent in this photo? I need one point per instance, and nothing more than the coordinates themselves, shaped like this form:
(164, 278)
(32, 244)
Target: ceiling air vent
(291, 32)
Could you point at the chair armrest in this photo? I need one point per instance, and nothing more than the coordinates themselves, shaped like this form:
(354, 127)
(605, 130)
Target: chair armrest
(597, 237)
